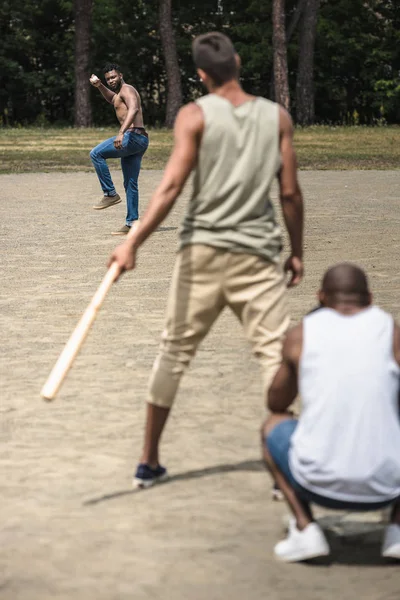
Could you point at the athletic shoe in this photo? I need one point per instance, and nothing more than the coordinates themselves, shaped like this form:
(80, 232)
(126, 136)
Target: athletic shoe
(123, 231)
(391, 542)
(145, 476)
(302, 545)
(276, 494)
(107, 201)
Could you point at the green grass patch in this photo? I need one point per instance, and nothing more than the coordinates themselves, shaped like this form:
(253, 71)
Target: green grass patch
(339, 148)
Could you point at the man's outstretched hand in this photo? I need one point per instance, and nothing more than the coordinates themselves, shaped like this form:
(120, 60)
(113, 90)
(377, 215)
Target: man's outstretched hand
(125, 256)
(294, 265)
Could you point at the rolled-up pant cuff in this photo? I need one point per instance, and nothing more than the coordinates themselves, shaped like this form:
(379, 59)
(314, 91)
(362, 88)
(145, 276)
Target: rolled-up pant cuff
(160, 402)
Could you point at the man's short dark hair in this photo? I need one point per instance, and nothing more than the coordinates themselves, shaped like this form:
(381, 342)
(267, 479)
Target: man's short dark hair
(110, 66)
(214, 53)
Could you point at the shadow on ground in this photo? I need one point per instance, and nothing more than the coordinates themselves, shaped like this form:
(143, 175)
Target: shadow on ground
(352, 542)
(246, 465)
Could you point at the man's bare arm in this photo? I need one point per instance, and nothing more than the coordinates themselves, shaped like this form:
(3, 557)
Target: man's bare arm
(284, 387)
(188, 130)
(105, 91)
(291, 197)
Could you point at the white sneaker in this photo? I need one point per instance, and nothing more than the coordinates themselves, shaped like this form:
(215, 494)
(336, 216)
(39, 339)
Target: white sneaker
(391, 542)
(302, 545)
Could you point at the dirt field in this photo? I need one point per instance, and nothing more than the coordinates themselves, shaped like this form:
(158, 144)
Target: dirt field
(71, 528)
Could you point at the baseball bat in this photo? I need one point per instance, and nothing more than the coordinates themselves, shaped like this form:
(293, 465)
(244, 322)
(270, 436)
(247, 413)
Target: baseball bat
(72, 347)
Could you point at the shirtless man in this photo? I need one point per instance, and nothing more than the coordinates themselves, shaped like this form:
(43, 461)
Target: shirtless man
(129, 145)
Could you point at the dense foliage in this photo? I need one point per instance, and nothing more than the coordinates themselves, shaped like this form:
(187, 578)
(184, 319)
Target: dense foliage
(357, 55)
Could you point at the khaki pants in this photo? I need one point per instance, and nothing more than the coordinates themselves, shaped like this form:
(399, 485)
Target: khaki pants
(204, 281)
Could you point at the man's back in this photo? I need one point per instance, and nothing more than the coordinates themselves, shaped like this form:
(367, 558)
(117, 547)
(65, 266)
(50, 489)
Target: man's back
(347, 443)
(239, 158)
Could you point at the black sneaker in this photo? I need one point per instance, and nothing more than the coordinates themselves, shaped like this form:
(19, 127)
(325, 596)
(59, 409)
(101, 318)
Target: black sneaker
(145, 476)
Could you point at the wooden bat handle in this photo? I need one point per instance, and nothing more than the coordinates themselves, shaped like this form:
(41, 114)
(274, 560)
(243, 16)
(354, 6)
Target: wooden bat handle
(72, 347)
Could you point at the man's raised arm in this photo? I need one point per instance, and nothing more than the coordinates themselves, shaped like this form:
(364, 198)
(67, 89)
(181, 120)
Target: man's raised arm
(291, 198)
(105, 91)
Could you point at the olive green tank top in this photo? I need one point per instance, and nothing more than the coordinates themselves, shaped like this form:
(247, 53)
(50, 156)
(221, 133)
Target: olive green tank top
(238, 160)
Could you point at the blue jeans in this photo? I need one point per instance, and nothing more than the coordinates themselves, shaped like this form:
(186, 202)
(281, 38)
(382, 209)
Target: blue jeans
(134, 145)
(278, 444)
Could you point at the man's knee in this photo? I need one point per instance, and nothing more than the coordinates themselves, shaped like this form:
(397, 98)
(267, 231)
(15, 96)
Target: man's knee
(94, 154)
(272, 421)
(165, 377)
(162, 398)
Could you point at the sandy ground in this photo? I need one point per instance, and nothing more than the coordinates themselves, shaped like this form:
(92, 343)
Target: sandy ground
(70, 525)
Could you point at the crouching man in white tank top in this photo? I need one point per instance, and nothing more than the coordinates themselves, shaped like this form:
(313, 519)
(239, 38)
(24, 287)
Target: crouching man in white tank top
(344, 451)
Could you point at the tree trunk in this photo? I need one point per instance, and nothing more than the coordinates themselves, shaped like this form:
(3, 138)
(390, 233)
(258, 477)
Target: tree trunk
(295, 19)
(83, 18)
(174, 87)
(289, 34)
(281, 80)
(305, 111)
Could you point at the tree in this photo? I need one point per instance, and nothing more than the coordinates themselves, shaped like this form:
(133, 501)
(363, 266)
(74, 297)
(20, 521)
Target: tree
(355, 66)
(174, 87)
(357, 62)
(83, 18)
(305, 111)
(281, 81)
(127, 32)
(36, 83)
(297, 12)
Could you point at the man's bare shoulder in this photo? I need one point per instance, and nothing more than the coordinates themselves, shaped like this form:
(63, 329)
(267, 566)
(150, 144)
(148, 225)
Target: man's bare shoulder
(396, 342)
(190, 110)
(128, 86)
(190, 116)
(295, 334)
(293, 343)
(127, 89)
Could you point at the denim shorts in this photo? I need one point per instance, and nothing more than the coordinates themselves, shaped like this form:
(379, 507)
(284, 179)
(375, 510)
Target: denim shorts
(278, 444)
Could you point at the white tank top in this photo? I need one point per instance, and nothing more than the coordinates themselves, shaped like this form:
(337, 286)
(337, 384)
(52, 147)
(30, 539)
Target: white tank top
(347, 443)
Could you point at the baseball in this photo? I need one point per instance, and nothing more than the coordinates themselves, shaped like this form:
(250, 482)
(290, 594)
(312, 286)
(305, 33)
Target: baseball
(94, 80)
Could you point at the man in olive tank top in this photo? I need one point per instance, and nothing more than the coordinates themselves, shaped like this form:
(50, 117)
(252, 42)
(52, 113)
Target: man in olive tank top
(230, 242)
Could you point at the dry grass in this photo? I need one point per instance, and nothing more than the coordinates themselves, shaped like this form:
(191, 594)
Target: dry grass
(348, 148)
(338, 148)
